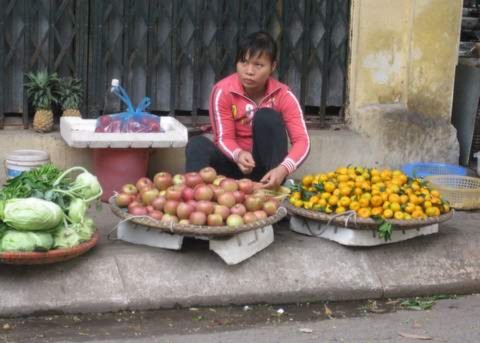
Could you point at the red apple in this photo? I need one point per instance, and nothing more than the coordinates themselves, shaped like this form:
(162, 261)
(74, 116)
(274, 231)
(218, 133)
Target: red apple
(253, 203)
(178, 179)
(129, 188)
(133, 204)
(170, 207)
(174, 193)
(234, 220)
(208, 174)
(203, 192)
(245, 185)
(184, 210)
(188, 194)
(217, 190)
(229, 185)
(193, 203)
(249, 217)
(155, 214)
(123, 199)
(260, 214)
(198, 218)
(162, 180)
(138, 211)
(149, 195)
(184, 222)
(224, 211)
(226, 199)
(239, 196)
(214, 220)
(238, 209)
(218, 180)
(270, 207)
(144, 183)
(192, 179)
(159, 202)
(205, 206)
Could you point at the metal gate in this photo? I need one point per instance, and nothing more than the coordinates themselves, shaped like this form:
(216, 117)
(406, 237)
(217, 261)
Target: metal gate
(170, 50)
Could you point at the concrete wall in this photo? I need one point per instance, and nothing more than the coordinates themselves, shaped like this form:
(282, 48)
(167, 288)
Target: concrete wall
(403, 58)
(330, 149)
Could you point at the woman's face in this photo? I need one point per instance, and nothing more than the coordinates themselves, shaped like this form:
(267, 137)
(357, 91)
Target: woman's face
(255, 71)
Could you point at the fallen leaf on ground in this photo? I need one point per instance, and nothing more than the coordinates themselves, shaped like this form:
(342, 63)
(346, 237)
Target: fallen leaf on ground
(413, 336)
(305, 330)
(328, 312)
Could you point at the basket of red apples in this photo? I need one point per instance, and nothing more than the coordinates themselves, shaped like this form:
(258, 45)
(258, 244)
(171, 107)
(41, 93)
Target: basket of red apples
(199, 204)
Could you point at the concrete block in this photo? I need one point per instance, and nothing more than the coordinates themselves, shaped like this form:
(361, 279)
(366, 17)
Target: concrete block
(232, 250)
(240, 247)
(80, 133)
(346, 236)
(139, 234)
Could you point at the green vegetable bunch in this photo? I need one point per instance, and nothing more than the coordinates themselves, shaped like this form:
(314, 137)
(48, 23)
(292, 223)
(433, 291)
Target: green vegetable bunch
(44, 208)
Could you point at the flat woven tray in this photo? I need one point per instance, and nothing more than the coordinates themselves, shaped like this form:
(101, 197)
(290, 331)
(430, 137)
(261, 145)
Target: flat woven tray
(359, 223)
(51, 256)
(197, 230)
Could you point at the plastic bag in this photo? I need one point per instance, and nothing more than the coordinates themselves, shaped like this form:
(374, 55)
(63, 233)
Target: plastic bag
(133, 120)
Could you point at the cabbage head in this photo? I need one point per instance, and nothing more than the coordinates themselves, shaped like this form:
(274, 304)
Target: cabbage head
(66, 237)
(25, 241)
(31, 214)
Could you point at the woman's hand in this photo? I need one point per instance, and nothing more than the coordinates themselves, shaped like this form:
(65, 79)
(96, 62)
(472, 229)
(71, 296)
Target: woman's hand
(245, 162)
(274, 177)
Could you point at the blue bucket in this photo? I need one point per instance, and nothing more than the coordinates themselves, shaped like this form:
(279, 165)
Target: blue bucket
(421, 170)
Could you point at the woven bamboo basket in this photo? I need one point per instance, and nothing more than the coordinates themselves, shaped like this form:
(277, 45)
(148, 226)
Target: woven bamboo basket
(357, 223)
(196, 230)
(462, 192)
(51, 256)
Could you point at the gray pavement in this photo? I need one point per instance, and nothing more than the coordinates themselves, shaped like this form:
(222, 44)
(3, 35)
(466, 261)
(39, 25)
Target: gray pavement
(295, 268)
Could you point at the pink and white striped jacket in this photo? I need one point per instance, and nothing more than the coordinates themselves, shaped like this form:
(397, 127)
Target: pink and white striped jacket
(231, 115)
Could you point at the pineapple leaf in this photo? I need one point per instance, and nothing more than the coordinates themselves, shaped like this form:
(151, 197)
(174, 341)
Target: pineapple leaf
(70, 92)
(42, 89)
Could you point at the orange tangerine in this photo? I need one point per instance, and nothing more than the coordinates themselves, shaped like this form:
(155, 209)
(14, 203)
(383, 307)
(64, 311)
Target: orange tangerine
(354, 205)
(333, 200)
(364, 203)
(387, 213)
(376, 200)
(329, 186)
(307, 180)
(377, 211)
(364, 212)
(395, 207)
(432, 211)
(344, 201)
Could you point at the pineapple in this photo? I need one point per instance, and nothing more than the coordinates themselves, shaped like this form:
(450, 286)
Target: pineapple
(42, 92)
(71, 93)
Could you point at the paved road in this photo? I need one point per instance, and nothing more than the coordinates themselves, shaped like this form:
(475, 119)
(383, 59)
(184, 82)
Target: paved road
(451, 320)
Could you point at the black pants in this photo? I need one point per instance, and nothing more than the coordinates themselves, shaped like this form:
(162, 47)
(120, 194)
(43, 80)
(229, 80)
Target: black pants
(270, 146)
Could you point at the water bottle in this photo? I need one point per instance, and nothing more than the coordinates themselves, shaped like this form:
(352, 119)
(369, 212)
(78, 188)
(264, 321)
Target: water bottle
(110, 97)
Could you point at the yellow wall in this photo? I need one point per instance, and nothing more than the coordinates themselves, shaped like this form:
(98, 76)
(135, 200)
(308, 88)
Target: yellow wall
(433, 56)
(404, 52)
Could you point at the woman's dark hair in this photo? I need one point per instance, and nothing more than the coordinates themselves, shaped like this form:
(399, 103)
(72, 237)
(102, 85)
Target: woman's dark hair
(257, 43)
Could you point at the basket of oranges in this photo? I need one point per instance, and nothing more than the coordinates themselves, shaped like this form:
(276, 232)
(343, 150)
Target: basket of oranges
(367, 198)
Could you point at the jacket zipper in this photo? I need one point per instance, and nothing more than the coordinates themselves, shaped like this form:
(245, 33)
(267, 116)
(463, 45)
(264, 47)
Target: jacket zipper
(261, 101)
